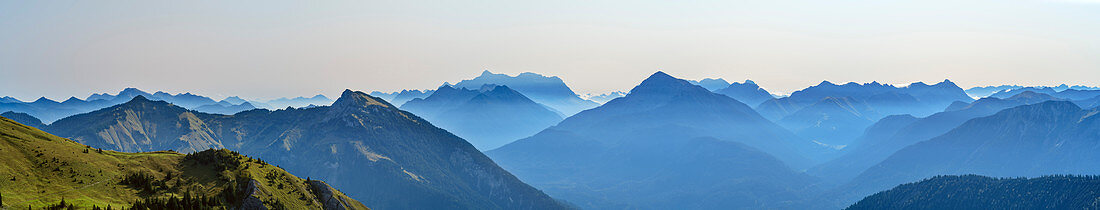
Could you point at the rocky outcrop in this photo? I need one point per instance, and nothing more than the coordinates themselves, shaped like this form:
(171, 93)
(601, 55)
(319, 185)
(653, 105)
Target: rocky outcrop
(328, 196)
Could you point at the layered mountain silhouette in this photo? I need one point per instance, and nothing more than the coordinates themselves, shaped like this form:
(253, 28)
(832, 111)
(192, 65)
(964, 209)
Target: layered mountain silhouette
(896, 132)
(296, 102)
(986, 91)
(981, 192)
(224, 107)
(667, 144)
(380, 155)
(549, 91)
(747, 92)
(488, 118)
(50, 172)
(1068, 94)
(140, 125)
(399, 98)
(711, 84)
(834, 112)
(831, 120)
(604, 98)
(1053, 137)
(48, 110)
(24, 118)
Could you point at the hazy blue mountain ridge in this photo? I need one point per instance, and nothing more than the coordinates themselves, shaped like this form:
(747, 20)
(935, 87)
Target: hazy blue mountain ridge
(667, 144)
(549, 91)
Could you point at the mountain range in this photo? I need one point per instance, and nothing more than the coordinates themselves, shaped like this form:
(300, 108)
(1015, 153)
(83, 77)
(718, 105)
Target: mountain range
(380, 155)
(488, 117)
(49, 111)
(604, 98)
(549, 91)
(711, 84)
(666, 144)
(1068, 94)
(835, 114)
(986, 91)
(1052, 137)
(399, 98)
(296, 102)
(898, 131)
(746, 92)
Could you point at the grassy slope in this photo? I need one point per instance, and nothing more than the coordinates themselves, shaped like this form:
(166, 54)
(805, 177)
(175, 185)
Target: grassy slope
(38, 169)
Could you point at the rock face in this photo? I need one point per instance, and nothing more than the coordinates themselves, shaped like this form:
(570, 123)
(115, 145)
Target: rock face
(667, 144)
(330, 198)
(252, 197)
(409, 162)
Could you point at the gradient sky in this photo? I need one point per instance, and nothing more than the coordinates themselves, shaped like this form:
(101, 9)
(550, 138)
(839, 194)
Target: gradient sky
(267, 49)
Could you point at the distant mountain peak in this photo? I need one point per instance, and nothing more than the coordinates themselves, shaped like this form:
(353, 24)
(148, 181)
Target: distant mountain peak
(747, 81)
(43, 100)
(946, 83)
(139, 98)
(501, 89)
(486, 73)
(663, 84)
(826, 83)
(661, 79)
(131, 91)
(351, 98)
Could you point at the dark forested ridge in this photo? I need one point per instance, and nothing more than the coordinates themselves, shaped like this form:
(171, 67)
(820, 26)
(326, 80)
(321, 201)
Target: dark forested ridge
(980, 192)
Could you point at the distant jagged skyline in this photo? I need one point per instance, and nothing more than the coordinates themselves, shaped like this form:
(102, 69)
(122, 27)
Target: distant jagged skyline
(289, 48)
(30, 97)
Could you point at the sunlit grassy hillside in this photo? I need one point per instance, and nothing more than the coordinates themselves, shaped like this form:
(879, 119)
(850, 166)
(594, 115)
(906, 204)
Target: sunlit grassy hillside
(40, 170)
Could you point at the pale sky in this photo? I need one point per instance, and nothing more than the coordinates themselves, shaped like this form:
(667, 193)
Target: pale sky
(267, 49)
